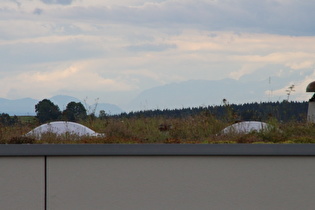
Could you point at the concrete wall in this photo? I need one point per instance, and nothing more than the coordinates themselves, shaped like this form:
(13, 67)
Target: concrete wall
(135, 180)
(22, 183)
(181, 183)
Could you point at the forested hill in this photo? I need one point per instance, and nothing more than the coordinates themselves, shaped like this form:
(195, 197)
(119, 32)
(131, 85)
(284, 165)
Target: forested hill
(282, 111)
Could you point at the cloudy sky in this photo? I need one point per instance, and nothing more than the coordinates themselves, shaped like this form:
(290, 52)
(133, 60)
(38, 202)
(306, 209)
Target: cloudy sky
(114, 49)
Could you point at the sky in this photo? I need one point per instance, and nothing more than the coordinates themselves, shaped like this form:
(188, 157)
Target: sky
(115, 49)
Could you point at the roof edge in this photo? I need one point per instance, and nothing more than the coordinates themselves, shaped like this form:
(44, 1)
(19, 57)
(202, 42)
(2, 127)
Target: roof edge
(157, 150)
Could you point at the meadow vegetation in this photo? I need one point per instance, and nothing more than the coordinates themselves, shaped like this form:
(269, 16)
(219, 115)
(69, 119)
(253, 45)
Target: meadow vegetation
(202, 128)
(191, 126)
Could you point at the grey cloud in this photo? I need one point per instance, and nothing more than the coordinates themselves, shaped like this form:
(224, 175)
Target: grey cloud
(62, 2)
(150, 47)
(29, 53)
(17, 2)
(37, 11)
(289, 17)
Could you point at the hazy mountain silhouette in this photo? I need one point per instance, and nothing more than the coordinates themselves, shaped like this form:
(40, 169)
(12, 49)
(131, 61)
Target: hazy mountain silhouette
(62, 100)
(195, 93)
(192, 93)
(26, 106)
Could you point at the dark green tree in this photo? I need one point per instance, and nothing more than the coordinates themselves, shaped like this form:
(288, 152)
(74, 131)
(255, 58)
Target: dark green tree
(6, 120)
(102, 115)
(75, 111)
(47, 111)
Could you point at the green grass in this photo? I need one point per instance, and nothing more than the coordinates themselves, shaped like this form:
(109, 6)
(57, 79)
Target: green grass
(27, 119)
(198, 129)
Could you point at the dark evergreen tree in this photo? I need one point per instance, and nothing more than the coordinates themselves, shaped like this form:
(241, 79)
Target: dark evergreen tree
(47, 111)
(75, 111)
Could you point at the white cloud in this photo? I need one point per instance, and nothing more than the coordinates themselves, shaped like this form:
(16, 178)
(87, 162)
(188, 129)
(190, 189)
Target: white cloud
(245, 69)
(299, 92)
(132, 45)
(75, 77)
(301, 65)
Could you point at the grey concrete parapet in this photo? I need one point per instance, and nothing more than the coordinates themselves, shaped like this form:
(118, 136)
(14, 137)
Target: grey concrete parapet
(157, 149)
(157, 176)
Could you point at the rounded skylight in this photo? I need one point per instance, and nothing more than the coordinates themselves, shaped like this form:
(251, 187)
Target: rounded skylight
(62, 127)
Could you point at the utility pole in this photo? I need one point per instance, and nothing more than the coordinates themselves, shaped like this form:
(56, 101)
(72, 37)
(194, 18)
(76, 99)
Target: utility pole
(270, 89)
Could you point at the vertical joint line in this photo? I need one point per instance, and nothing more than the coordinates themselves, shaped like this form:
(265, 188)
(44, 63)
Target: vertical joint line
(45, 184)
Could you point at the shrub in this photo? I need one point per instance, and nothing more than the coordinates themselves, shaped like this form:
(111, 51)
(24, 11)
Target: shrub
(21, 140)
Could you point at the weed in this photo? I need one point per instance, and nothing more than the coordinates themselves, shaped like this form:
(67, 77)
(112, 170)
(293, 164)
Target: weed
(200, 128)
(21, 140)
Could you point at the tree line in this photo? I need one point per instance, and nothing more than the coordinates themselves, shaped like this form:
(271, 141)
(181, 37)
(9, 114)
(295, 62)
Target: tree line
(47, 111)
(282, 111)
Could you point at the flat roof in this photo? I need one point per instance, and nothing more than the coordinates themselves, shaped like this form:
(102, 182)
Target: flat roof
(157, 149)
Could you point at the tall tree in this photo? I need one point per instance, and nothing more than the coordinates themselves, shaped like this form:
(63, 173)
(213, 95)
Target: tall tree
(47, 111)
(75, 112)
(6, 120)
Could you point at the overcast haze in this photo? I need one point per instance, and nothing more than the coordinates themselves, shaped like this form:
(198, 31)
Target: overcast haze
(115, 49)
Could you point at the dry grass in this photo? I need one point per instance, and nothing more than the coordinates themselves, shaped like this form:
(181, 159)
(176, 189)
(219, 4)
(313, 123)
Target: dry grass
(199, 129)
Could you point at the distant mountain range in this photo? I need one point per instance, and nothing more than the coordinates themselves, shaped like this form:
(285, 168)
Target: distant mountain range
(195, 93)
(26, 106)
(192, 93)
